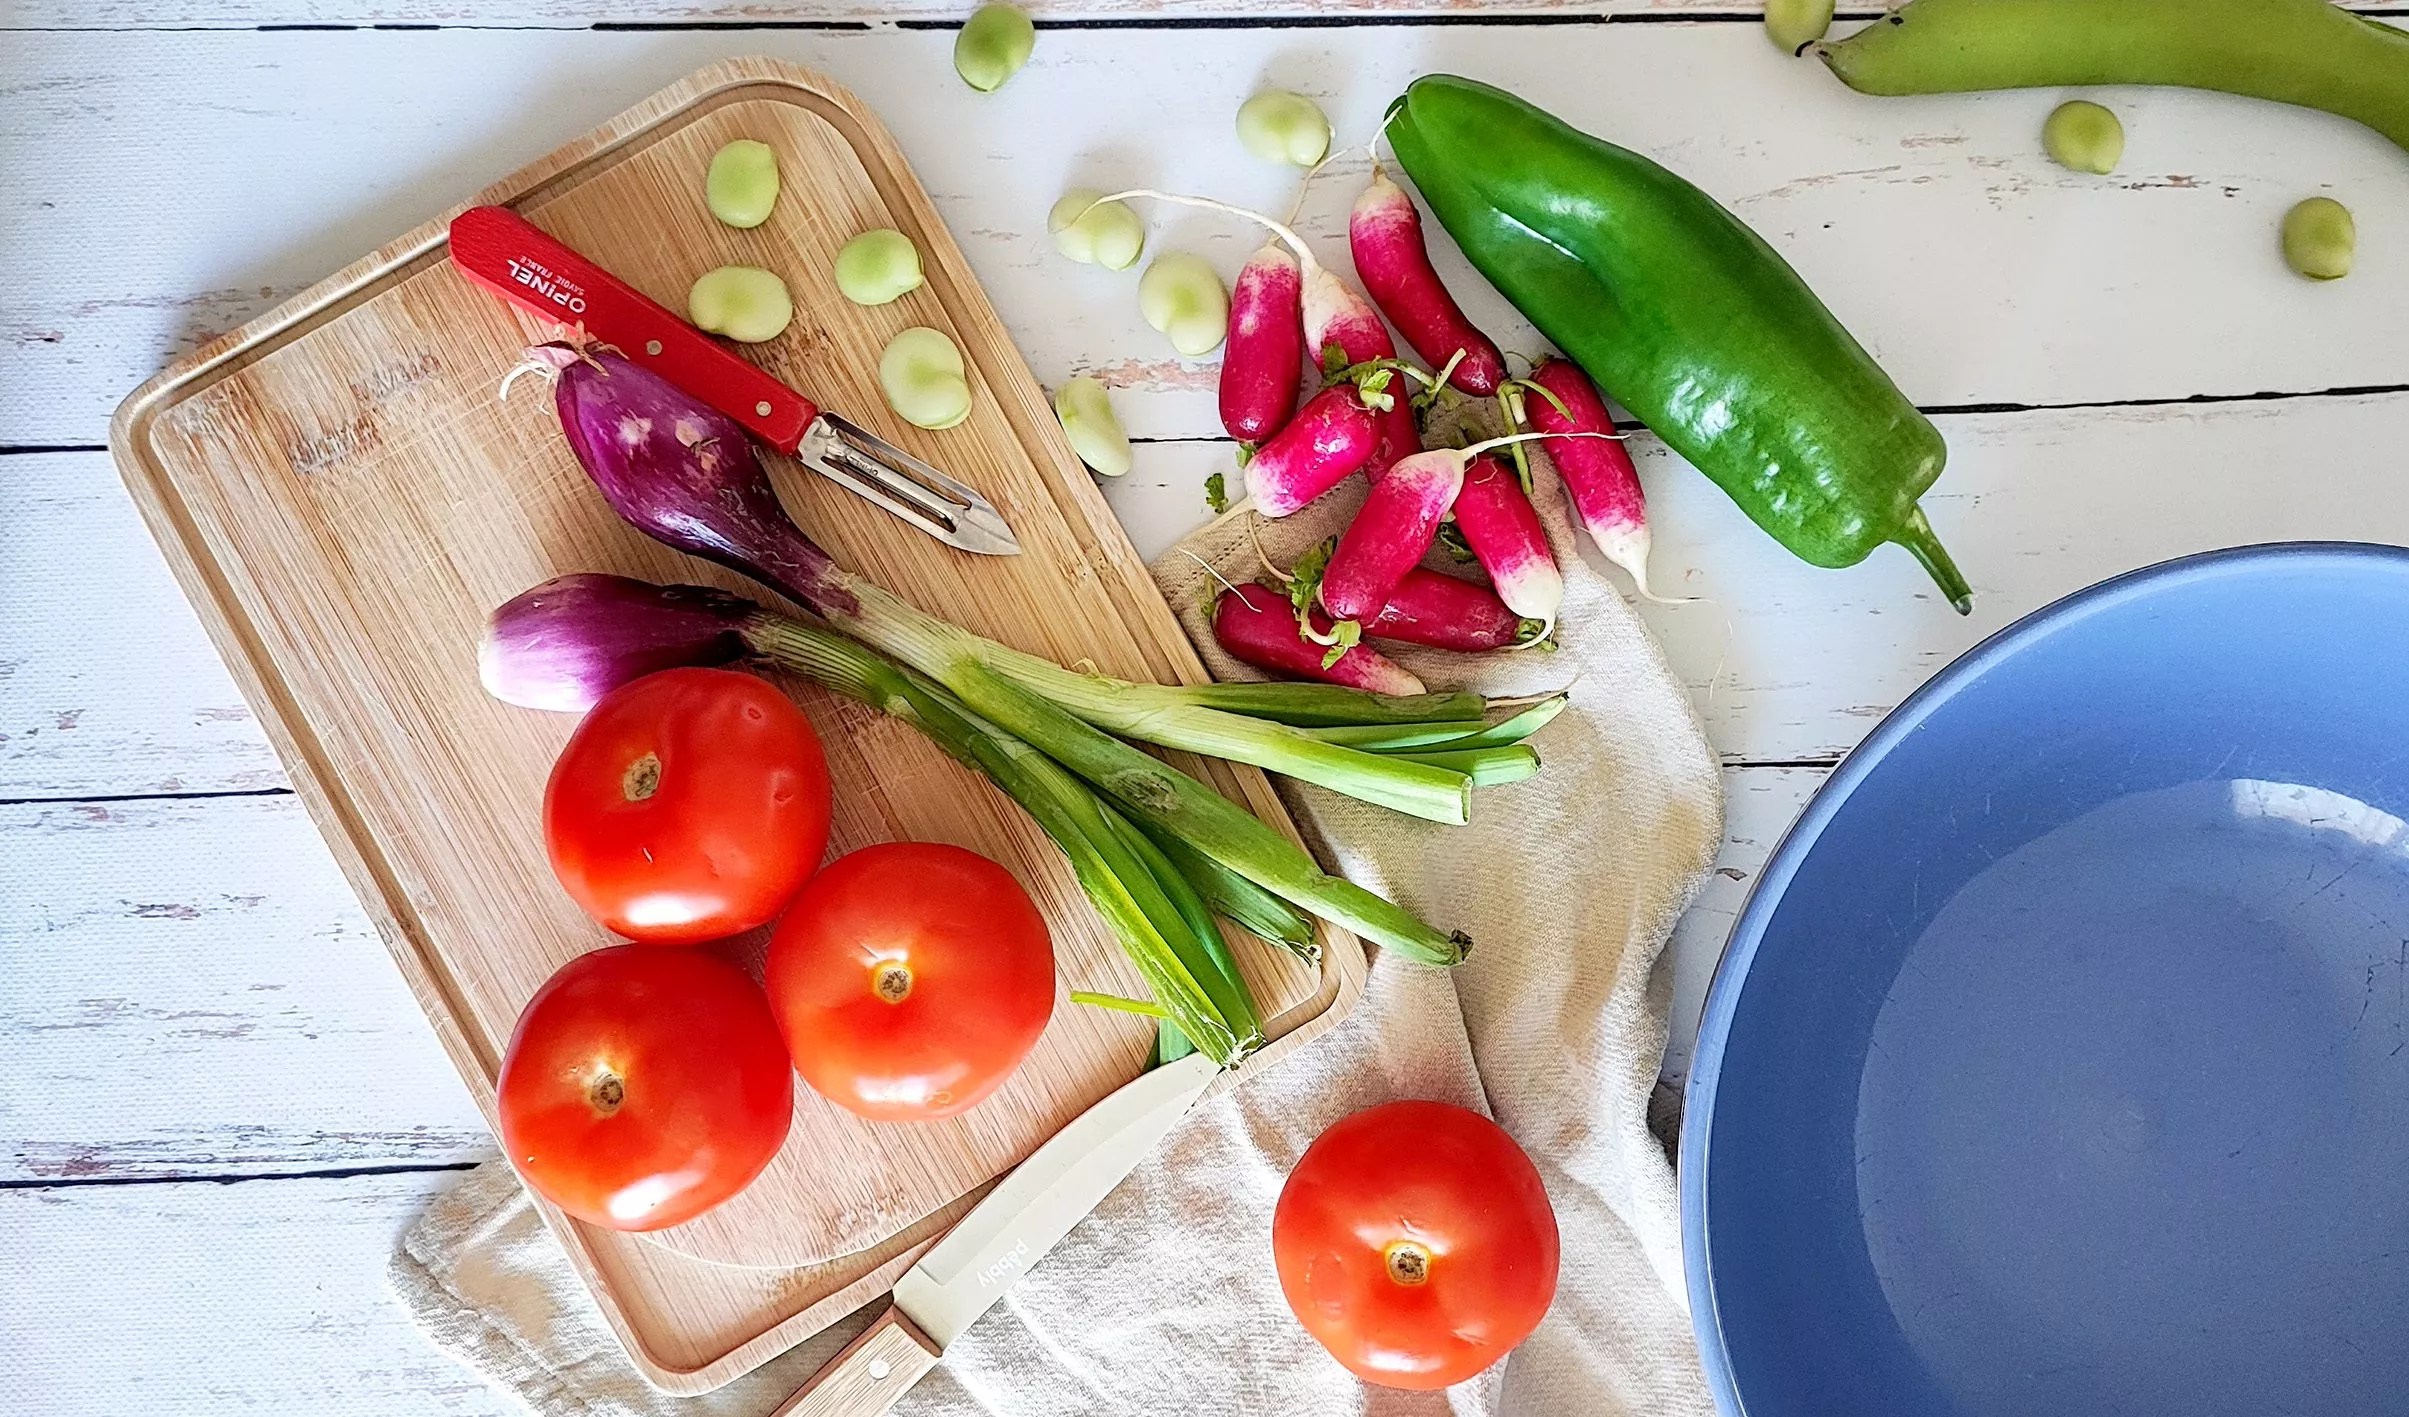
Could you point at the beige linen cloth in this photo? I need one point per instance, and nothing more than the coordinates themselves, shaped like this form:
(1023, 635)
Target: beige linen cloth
(1164, 1301)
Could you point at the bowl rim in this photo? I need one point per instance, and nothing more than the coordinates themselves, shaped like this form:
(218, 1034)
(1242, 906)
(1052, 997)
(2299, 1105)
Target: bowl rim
(1781, 866)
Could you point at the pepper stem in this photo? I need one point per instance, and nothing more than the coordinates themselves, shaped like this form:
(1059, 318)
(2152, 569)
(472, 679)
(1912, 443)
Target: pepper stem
(1917, 537)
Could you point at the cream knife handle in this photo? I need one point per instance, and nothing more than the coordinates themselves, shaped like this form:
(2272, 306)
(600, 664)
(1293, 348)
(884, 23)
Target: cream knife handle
(870, 1376)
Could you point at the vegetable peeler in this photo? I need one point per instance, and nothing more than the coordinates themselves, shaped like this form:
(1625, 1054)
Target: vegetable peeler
(504, 252)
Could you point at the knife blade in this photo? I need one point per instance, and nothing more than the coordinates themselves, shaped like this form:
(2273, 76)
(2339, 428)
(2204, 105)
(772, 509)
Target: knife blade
(507, 254)
(988, 1250)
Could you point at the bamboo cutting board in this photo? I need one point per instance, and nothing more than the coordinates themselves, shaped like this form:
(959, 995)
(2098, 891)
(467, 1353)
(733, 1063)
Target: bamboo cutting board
(343, 496)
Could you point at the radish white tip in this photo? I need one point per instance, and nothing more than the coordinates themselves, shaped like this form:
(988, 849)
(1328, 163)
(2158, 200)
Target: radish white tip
(1627, 546)
(1305, 183)
(1639, 579)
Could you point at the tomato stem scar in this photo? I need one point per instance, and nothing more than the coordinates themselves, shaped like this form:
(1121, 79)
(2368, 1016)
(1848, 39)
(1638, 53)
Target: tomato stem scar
(1408, 1262)
(891, 981)
(642, 778)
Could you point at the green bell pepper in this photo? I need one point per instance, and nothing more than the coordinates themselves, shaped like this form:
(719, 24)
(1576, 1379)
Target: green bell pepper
(1685, 317)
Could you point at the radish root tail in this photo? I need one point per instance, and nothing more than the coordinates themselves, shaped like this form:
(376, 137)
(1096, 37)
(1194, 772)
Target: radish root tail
(1281, 229)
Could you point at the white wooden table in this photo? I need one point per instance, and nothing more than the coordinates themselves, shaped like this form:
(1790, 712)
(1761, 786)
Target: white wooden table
(217, 1102)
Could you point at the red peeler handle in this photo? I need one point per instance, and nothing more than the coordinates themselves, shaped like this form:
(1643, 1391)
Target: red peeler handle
(501, 250)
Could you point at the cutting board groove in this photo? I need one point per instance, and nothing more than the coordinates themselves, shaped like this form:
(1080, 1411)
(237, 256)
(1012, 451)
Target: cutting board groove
(343, 496)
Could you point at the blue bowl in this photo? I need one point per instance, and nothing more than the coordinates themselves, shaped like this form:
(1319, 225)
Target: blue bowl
(2059, 1063)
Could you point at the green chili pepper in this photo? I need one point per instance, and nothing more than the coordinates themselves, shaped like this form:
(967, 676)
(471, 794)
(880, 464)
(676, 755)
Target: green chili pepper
(2309, 52)
(1684, 316)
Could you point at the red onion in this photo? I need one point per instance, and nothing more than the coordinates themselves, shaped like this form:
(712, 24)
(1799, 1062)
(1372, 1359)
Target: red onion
(684, 473)
(567, 642)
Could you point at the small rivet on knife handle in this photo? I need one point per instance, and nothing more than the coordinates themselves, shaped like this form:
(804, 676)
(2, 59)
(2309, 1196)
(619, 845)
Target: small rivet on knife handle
(652, 346)
(879, 1369)
(762, 408)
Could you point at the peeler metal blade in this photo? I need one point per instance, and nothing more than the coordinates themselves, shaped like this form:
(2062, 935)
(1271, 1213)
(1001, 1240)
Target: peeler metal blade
(946, 508)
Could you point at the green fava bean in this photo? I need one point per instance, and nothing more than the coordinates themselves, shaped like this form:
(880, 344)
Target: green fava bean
(922, 376)
(1794, 24)
(742, 184)
(745, 303)
(877, 267)
(2084, 136)
(992, 46)
(2320, 238)
(1089, 422)
(1181, 296)
(1094, 233)
(1278, 126)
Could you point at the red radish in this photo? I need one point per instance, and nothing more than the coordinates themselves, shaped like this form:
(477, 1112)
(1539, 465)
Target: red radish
(1392, 532)
(1502, 528)
(1265, 354)
(1396, 526)
(1400, 437)
(1393, 261)
(1334, 316)
(1330, 437)
(1597, 472)
(1428, 608)
(1256, 624)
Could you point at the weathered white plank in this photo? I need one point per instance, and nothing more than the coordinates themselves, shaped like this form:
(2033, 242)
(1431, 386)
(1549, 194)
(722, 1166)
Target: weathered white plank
(125, 14)
(217, 171)
(193, 991)
(107, 684)
(266, 1298)
(1786, 661)
(1790, 662)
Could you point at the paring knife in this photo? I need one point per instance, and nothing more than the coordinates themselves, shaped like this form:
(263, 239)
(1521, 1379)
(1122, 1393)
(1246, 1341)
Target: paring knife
(504, 252)
(1004, 1234)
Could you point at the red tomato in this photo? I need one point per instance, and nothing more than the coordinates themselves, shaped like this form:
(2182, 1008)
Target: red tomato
(1415, 1242)
(687, 806)
(910, 979)
(643, 1086)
